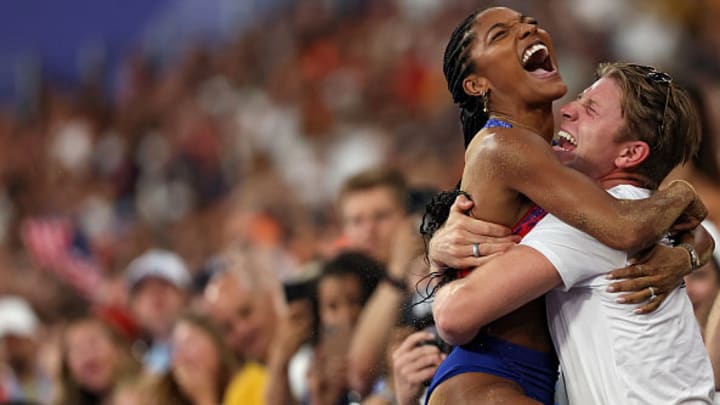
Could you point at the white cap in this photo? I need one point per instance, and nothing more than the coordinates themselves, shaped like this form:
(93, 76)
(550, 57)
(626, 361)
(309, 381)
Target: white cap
(17, 317)
(158, 263)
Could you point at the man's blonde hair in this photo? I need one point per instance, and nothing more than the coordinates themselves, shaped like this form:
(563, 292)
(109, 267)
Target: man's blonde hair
(657, 112)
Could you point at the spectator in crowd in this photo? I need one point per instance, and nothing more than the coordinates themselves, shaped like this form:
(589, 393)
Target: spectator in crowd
(384, 392)
(703, 171)
(291, 351)
(202, 365)
(244, 300)
(21, 378)
(703, 286)
(414, 364)
(95, 357)
(158, 281)
(372, 205)
(134, 391)
(343, 287)
(373, 212)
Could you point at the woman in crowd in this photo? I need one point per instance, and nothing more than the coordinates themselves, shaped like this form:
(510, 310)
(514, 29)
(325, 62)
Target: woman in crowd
(201, 368)
(95, 356)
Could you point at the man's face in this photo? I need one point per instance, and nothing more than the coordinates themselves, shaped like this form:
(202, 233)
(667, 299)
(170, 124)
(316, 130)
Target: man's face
(369, 218)
(156, 304)
(246, 316)
(589, 127)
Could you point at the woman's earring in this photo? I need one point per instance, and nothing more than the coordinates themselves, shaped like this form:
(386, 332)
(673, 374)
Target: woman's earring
(484, 96)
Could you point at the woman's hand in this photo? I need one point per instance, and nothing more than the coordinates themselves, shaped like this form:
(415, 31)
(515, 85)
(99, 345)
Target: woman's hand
(655, 273)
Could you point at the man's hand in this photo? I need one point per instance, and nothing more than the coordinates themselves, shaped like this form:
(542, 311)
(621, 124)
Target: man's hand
(661, 268)
(414, 363)
(452, 245)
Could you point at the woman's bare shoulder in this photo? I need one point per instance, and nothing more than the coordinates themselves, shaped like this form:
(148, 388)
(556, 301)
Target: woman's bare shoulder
(500, 143)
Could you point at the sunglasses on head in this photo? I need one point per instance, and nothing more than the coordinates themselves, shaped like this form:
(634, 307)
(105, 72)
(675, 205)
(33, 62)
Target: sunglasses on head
(663, 78)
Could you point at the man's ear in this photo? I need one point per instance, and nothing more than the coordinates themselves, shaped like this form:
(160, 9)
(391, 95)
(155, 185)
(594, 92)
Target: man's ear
(475, 85)
(632, 154)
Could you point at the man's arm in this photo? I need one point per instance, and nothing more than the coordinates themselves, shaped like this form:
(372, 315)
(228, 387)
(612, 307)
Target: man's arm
(371, 336)
(497, 288)
(712, 339)
(366, 353)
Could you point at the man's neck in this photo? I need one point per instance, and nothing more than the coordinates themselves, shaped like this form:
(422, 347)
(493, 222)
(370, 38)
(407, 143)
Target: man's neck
(624, 178)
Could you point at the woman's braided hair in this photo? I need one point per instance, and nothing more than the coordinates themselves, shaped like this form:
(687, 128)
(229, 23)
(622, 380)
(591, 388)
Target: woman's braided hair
(456, 67)
(436, 213)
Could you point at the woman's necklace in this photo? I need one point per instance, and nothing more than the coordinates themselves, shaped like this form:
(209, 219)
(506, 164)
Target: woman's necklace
(503, 117)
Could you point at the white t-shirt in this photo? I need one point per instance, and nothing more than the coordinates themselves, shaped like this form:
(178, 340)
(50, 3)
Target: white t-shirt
(608, 354)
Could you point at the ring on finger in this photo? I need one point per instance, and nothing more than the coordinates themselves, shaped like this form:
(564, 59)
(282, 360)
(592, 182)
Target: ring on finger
(652, 294)
(476, 250)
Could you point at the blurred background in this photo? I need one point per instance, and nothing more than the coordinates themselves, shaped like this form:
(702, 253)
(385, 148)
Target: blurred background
(190, 125)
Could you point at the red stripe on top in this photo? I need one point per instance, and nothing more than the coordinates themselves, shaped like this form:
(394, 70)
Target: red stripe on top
(529, 220)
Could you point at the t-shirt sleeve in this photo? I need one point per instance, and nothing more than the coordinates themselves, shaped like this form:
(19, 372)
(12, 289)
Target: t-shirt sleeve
(575, 255)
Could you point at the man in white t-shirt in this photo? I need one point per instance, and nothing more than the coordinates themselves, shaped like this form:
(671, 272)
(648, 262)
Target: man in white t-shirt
(608, 353)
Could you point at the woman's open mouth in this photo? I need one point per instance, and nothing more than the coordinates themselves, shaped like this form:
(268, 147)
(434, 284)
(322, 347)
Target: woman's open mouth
(536, 60)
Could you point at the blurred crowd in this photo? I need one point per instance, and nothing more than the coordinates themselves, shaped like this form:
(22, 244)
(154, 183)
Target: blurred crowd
(239, 225)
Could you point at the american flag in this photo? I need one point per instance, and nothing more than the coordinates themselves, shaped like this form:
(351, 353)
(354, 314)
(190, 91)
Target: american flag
(57, 245)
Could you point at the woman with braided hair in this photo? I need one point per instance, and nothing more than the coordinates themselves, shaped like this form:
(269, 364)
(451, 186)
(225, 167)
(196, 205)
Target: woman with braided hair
(501, 71)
